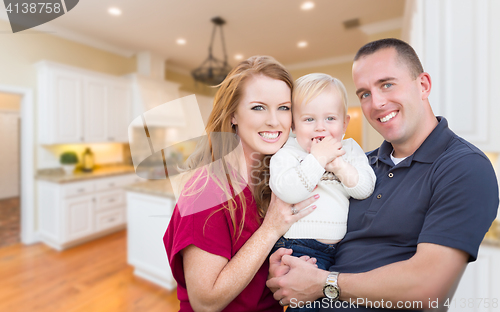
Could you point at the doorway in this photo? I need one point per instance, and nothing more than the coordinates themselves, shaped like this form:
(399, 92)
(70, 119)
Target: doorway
(10, 208)
(26, 160)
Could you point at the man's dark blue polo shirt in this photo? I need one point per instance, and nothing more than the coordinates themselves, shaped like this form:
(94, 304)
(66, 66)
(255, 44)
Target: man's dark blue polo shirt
(446, 193)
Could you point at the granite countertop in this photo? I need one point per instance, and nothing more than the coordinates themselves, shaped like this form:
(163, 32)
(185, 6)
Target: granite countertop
(153, 187)
(57, 175)
(493, 242)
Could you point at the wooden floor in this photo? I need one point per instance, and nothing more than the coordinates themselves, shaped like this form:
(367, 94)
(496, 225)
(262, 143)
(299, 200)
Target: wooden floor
(91, 277)
(10, 219)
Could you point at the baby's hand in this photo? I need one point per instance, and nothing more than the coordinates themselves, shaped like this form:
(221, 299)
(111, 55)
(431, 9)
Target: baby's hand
(326, 150)
(336, 164)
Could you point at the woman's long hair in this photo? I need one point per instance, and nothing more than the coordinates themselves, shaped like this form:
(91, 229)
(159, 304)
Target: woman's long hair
(207, 160)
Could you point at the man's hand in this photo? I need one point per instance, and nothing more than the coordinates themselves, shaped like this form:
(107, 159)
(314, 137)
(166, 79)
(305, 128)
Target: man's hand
(277, 268)
(304, 281)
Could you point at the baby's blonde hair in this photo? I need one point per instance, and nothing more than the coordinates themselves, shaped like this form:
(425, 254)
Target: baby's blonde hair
(310, 86)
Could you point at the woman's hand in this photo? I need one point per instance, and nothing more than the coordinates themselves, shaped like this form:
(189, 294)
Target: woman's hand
(280, 216)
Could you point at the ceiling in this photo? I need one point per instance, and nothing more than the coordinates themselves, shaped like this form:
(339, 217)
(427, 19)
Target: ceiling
(270, 27)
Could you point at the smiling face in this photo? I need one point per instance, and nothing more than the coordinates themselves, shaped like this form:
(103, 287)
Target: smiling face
(391, 99)
(322, 117)
(263, 116)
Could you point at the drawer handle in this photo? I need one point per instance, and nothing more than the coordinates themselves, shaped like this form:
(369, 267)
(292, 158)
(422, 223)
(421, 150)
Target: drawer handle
(81, 190)
(111, 184)
(111, 219)
(110, 200)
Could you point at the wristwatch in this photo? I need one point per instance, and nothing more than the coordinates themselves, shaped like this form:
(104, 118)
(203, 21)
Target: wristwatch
(331, 289)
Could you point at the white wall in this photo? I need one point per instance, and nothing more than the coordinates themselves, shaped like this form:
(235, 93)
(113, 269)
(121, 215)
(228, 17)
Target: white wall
(9, 153)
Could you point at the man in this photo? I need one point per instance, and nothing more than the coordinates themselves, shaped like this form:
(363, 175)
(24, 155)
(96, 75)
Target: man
(436, 196)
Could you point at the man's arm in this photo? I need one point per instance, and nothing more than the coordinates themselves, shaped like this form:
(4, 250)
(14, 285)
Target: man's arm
(430, 274)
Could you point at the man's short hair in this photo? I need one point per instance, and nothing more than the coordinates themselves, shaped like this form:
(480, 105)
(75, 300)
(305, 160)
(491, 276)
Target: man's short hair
(405, 52)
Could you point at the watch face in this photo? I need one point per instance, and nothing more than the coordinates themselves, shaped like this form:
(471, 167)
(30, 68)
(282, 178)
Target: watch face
(332, 292)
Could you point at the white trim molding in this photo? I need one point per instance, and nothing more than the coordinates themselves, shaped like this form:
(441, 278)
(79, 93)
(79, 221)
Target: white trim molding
(28, 222)
(323, 62)
(378, 27)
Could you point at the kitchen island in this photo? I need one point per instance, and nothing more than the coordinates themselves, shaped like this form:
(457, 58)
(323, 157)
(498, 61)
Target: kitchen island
(149, 208)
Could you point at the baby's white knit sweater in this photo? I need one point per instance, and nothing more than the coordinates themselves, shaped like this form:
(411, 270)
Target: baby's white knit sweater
(294, 175)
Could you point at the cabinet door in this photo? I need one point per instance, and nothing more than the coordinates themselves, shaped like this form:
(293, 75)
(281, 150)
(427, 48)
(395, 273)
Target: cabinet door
(119, 111)
(78, 215)
(459, 46)
(95, 108)
(66, 96)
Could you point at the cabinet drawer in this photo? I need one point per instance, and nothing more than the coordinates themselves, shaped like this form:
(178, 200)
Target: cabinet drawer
(107, 184)
(110, 199)
(81, 188)
(116, 182)
(108, 219)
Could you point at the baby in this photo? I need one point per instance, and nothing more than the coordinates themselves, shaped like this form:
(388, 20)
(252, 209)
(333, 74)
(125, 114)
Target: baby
(318, 161)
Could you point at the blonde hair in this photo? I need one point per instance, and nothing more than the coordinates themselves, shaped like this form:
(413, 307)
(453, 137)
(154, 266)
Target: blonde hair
(308, 87)
(205, 157)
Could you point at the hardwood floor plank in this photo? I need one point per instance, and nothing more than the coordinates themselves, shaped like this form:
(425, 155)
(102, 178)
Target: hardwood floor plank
(91, 277)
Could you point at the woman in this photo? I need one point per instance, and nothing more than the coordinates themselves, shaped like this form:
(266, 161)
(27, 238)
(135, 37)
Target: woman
(218, 251)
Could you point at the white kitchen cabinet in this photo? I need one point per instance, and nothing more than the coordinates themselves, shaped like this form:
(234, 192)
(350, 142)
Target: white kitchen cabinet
(81, 106)
(479, 287)
(148, 217)
(78, 211)
(458, 43)
(95, 112)
(59, 105)
(75, 212)
(119, 112)
(108, 104)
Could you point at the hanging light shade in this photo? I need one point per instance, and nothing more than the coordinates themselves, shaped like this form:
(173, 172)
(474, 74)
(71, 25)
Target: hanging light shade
(213, 71)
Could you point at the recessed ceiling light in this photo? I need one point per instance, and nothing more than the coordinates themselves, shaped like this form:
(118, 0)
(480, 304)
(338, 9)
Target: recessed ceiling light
(302, 44)
(115, 11)
(307, 5)
(238, 57)
(181, 41)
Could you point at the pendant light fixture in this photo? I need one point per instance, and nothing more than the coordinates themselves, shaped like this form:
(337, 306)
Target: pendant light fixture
(213, 71)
